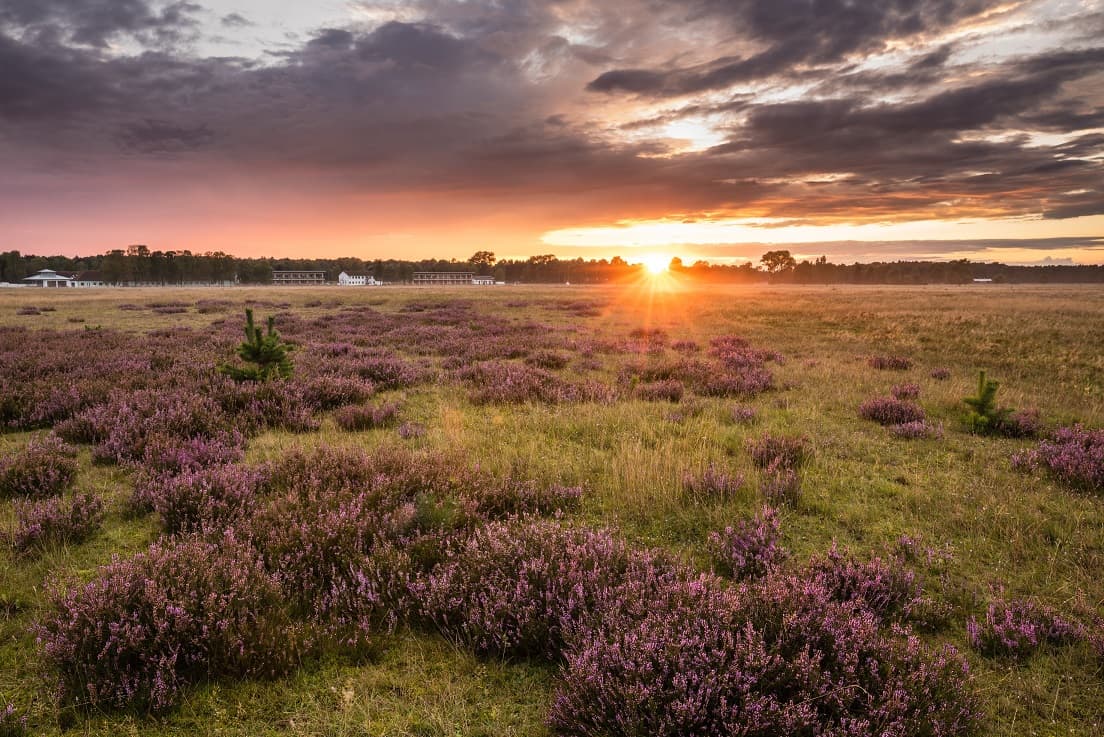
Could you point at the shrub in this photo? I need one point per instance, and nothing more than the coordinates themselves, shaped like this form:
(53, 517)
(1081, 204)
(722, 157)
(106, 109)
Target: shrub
(779, 658)
(53, 521)
(409, 430)
(780, 484)
(743, 415)
(200, 499)
(514, 497)
(984, 416)
(328, 392)
(891, 363)
(685, 346)
(670, 390)
(265, 355)
(12, 723)
(1023, 423)
(905, 391)
(46, 466)
(749, 550)
(940, 374)
(1016, 628)
(148, 626)
(891, 411)
(785, 451)
(1074, 455)
(915, 430)
(889, 589)
(712, 484)
(356, 417)
(172, 455)
(552, 360)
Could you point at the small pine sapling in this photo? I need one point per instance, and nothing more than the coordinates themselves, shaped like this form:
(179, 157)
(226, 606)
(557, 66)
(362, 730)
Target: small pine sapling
(265, 354)
(984, 416)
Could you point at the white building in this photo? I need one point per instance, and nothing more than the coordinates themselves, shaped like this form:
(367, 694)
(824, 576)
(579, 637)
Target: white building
(357, 280)
(49, 278)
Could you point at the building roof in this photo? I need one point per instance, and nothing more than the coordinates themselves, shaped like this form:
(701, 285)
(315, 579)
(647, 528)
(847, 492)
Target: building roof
(47, 275)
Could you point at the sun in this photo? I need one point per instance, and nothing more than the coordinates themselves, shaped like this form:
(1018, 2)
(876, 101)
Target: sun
(655, 264)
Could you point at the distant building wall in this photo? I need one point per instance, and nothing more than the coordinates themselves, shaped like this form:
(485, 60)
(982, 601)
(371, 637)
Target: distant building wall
(298, 278)
(443, 278)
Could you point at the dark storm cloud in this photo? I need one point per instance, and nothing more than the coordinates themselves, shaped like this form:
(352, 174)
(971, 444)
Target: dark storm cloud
(96, 22)
(487, 100)
(815, 32)
(235, 20)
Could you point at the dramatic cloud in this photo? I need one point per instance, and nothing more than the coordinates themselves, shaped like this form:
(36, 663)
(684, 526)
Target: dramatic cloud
(513, 118)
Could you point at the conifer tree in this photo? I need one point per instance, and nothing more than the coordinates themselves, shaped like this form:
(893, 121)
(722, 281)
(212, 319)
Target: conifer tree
(984, 416)
(265, 354)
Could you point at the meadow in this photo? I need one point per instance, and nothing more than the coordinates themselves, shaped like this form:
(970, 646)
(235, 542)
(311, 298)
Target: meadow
(651, 508)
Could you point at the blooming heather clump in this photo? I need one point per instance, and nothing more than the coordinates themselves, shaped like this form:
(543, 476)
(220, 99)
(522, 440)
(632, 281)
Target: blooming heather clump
(1016, 628)
(685, 346)
(905, 391)
(891, 411)
(915, 430)
(356, 417)
(1023, 423)
(713, 484)
(890, 363)
(167, 454)
(389, 372)
(329, 392)
(54, 521)
(545, 359)
(887, 588)
(780, 485)
(514, 497)
(670, 390)
(147, 626)
(743, 415)
(777, 658)
(749, 550)
(12, 723)
(784, 451)
(940, 374)
(200, 499)
(410, 430)
(45, 467)
(1073, 455)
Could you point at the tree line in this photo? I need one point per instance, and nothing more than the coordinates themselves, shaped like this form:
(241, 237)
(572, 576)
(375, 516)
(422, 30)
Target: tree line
(138, 264)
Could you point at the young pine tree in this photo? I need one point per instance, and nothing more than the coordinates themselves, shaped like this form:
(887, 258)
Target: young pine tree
(984, 416)
(265, 354)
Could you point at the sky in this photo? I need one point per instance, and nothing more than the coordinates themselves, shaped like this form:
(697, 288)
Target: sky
(715, 129)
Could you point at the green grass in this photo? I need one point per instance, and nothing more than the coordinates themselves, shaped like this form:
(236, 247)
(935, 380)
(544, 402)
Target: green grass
(862, 488)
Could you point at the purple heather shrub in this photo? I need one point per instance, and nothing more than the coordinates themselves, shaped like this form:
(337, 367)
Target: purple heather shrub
(886, 587)
(530, 588)
(46, 466)
(546, 359)
(148, 626)
(514, 497)
(743, 415)
(891, 411)
(12, 723)
(329, 392)
(172, 455)
(56, 522)
(780, 484)
(685, 346)
(940, 374)
(785, 451)
(410, 430)
(670, 390)
(890, 363)
(1074, 455)
(751, 549)
(915, 430)
(1023, 423)
(1016, 628)
(776, 658)
(358, 417)
(201, 499)
(389, 372)
(742, 382)
(711, 484)
(905, 391)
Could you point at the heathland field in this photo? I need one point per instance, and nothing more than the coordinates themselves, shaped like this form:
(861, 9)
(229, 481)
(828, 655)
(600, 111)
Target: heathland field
(647, 509)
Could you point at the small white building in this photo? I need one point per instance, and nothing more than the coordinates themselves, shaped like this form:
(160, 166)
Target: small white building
(357, 280)
(483, 281)
(49, 278)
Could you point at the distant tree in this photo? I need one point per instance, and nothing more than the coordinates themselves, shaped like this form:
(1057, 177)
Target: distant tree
(483, 261)
(777, 262)
(676, 264)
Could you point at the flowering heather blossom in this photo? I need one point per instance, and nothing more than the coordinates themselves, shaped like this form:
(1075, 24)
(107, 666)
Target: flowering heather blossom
(147, 626)
(670, 390)
(780, 485)
(12, 724)
(713, 484)
(888, 588)
(785, 451)
(389, 372)
(202, 498)
(1023, 423)
(173, 455)
(743, 415)
(328, 392)
(46, 466)
(749, 550)
(1073, 455)
(54, 521)
(905, 391)
(514, 497)
(891, 411)
(357, 418)
(890, 363)
(940, 374)
(545, 359)
(742, 382)
(1016, 628)
(409, 430)
(914, 430)
(685, 346)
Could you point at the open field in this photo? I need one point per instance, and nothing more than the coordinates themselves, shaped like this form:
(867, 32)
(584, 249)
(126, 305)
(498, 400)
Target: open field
(594, 412)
